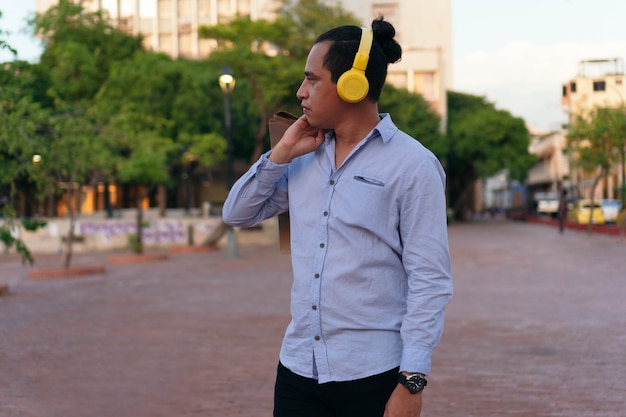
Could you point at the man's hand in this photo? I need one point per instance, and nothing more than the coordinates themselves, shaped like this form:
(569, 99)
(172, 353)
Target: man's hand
(402, 403)
(299, 139)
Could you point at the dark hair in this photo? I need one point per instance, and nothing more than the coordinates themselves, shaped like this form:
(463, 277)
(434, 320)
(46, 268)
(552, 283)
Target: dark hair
(344, 44)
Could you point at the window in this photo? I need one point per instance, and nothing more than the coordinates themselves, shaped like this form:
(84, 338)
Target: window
(599, 85)
(572, 87)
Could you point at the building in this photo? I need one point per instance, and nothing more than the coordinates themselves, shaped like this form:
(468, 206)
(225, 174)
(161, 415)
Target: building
(423, 29)
(599, 83)
(551, 171)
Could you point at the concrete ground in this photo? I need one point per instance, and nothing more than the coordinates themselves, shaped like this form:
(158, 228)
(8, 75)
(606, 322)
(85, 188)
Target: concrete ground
(537, 328)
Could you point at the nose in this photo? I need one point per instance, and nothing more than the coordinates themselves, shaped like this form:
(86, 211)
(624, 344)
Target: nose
(301, 93)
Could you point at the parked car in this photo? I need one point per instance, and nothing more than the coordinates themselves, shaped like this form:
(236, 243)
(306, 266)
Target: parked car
(610, 209)
(581, 213)
(547, 204)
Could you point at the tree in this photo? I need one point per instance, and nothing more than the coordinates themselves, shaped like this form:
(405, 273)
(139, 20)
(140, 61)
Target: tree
(4, 45)
(144, 162)
(72, 155)
(412, 113)
(481, 141)
(80, 48)
(19, 119)
(597, 139)
(181, 96)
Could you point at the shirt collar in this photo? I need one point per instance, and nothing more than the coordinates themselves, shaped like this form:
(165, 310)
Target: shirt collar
(385, 129)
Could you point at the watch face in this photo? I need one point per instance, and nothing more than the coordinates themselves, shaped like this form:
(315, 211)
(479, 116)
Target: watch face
(415, 384)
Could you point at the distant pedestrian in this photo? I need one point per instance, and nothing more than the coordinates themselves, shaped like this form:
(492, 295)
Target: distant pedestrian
(369, 238)
(562, 210)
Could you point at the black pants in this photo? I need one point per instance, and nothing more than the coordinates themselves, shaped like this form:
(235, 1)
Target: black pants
(297, 396)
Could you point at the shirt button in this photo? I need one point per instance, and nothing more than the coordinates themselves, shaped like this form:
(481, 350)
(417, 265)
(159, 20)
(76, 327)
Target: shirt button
(332, 182)
(321, 245)
(314, 307)
(317, 338)
(325, 213)
(317, 275)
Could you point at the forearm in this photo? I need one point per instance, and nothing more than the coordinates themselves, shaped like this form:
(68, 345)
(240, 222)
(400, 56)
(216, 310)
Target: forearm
(259, 194)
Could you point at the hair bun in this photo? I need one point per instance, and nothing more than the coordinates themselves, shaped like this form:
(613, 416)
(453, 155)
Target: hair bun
(384, 34)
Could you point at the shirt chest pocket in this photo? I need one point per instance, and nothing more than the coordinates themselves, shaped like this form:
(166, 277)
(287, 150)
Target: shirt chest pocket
(364, 200)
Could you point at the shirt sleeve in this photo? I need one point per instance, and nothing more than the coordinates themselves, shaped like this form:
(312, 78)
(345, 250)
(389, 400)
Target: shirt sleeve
(426, 259)
(259, 194)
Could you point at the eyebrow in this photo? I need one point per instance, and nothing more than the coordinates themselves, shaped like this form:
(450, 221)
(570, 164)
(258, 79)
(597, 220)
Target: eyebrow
(309, 74)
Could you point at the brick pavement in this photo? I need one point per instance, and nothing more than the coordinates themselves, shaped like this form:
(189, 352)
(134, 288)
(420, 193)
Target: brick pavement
(537, 328)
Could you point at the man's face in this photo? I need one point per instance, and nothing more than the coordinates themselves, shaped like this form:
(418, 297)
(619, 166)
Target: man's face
(320, 102)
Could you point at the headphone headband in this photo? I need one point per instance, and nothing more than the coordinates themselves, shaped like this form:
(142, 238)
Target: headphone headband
(365, 46)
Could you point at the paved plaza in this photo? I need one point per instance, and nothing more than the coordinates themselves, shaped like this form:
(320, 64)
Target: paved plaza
(537, 328)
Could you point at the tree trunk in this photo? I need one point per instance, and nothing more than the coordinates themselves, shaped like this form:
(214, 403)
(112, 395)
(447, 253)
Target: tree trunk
(460, 205)
(70, 234)
(162, 201)
(593, 196)
(139, 241)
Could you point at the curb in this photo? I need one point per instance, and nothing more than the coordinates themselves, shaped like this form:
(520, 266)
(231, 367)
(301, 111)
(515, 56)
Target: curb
(193, 249)
(62, 272)
(132, 258)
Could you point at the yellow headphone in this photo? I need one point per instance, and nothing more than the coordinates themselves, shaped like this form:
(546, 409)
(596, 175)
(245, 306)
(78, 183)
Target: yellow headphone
(353, 86)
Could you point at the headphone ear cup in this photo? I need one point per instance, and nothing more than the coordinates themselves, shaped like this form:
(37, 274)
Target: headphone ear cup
(353, 86)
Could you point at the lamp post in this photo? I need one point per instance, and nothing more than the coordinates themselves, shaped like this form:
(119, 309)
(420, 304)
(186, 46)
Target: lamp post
(227, 85)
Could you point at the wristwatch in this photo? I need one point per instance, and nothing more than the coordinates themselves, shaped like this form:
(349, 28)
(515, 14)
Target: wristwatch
(413, 382)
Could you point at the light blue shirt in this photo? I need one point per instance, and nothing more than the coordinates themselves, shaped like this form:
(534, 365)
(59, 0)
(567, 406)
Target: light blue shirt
(369, 250)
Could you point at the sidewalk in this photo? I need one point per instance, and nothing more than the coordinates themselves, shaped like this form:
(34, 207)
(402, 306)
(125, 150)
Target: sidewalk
(537, 328)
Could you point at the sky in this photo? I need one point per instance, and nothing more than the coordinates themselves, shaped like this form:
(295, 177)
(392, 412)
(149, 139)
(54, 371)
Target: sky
(515, 53)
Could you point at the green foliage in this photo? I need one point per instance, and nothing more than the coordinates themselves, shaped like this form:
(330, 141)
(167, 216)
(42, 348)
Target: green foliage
(207, 149)
(598, 138)
(134, 244)
(491, 140)
(80, 49)
(9, 238)
(20, 119)
(300, 22)
(33, 224)
(4, 45)
(10, 241)
(413, 114)
(481, 141)
(155, 112)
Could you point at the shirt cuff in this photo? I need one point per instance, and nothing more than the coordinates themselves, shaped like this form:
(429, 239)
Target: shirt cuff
(267, 171)
(416, 360)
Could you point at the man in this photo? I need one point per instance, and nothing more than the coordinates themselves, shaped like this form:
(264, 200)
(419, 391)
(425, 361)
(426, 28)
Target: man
(368, 238)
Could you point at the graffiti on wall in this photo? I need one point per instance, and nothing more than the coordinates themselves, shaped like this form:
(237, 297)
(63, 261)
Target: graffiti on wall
(164, 231)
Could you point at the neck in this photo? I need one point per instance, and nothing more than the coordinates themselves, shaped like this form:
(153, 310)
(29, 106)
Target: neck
(357, 122)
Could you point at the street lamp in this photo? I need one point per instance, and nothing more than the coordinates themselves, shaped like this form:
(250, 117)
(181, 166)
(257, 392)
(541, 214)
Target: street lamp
(227, 85)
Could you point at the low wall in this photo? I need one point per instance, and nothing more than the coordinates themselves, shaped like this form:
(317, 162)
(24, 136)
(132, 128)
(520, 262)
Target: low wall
(99, 233)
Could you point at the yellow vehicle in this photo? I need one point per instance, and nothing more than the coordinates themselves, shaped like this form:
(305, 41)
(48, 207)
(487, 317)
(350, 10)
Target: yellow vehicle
(581, 212)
